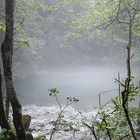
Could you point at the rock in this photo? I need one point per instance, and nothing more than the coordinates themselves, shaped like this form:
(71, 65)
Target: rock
(26, 121)
(29, 136)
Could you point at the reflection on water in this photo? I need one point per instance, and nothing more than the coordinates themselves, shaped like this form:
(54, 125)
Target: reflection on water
(84, 83)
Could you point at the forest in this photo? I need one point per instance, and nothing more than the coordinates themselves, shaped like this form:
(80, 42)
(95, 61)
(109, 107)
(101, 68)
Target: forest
(70, 70)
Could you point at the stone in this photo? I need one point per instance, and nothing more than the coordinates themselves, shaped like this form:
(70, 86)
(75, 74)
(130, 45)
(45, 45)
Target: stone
(26, 119)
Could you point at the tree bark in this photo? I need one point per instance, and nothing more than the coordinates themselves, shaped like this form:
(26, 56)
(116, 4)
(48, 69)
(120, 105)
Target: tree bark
(7, 51)
(3, 121)
(7, 106)
(126, 92)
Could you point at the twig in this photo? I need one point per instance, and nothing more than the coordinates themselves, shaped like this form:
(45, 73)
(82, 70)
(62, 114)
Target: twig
(92, 129)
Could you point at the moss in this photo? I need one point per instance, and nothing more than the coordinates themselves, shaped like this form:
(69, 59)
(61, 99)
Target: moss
(40, 138)
(26, 119)
(2, 137)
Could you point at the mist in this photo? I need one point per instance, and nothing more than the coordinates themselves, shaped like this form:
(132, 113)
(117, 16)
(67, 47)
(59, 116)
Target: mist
(82, 67)
(69, 69)
(82, 82)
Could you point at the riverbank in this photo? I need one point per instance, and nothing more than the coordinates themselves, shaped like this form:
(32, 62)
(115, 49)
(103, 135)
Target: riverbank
(44, 117)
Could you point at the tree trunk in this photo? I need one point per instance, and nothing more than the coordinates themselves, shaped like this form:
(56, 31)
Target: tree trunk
(7, 51)
(3, 122)
(7, 106)
(126, 92)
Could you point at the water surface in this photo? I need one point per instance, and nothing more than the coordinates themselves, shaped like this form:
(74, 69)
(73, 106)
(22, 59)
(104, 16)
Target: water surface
(84, 83)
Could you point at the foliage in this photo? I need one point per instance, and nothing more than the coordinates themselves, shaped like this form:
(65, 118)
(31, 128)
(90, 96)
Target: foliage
(99, 14)
(61, 115)
(28, 38)
(23, 43)
(2, 137)
(2, 26)
(109, 122)
(106, 16)
(115, 119)
(40, 138)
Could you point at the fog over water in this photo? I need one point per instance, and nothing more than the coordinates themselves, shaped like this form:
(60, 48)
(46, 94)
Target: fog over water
(84, 83)
(82, 67)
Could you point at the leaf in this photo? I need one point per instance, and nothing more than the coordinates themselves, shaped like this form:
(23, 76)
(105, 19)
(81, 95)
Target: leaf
(2, 26)
(24, 43)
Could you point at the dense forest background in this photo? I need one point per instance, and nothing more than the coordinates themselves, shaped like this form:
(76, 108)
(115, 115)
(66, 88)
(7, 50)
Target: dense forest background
(53, 35)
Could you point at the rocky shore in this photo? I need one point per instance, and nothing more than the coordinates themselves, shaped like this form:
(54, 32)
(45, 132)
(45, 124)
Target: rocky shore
(70, 126)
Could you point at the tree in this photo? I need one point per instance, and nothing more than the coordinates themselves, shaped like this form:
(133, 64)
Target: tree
(7, 52)
(102, 16)
(3, 121)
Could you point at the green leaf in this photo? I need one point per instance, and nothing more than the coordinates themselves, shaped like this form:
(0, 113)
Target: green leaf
(2, 26)
(24, 43)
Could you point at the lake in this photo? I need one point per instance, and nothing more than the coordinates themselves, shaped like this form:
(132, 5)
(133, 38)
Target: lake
(84, 83)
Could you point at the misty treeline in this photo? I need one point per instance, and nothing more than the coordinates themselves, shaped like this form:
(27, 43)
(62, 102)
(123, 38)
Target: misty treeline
(32, 35)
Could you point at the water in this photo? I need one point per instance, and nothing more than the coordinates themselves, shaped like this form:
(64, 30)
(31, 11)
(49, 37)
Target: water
(84, 83)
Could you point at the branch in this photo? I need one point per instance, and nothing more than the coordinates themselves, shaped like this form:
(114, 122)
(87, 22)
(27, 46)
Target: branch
(92, 129)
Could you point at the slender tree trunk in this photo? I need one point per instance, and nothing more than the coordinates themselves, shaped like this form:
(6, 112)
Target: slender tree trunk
(92, 129)
(3, 121)
(7, 106)
(126, 92)
(7, 51)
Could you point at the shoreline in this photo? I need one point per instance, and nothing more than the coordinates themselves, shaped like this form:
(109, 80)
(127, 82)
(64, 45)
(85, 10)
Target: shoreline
(44, 117)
